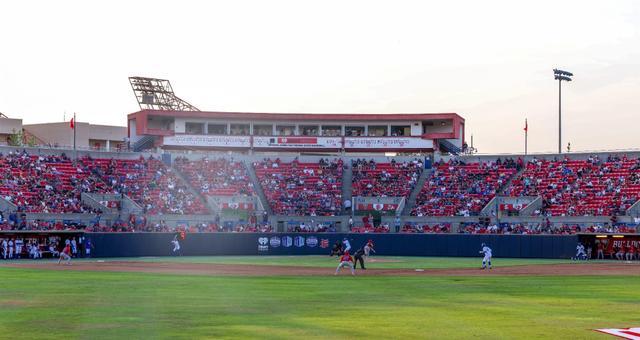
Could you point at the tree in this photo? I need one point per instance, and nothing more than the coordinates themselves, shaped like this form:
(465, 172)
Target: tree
(15, 139)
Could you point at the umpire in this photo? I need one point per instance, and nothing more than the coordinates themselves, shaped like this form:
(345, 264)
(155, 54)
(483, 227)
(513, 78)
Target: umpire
(358, 256)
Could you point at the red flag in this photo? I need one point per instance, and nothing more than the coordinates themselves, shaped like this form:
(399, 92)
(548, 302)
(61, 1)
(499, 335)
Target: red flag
(526, 126)
(71, 124)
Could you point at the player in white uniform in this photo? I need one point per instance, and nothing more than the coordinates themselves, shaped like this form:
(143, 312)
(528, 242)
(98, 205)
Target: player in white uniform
(347, 245)
(487, 256)
(10, 249)
(5, 249)
(19, 244)
(176, 246)
(580, 254)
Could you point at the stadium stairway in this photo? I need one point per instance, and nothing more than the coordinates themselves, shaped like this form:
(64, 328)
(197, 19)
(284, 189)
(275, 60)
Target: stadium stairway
(502, 190)
(411, 200)
(257, 187)
(347, 185)
(184, 181)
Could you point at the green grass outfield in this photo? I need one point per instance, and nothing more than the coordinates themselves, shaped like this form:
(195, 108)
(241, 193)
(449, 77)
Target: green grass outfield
(46, 304)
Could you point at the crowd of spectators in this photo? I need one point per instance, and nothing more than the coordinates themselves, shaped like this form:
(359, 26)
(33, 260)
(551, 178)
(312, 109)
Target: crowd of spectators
(148, 182)
(217, 177)
(44, 184)
(456, 188)
(393, 179)
(299, 189)
(417, 228)
(590, 187)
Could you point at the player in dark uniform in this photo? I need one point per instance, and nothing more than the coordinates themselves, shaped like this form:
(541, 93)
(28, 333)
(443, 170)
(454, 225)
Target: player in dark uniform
(337, 248)
(358, 256)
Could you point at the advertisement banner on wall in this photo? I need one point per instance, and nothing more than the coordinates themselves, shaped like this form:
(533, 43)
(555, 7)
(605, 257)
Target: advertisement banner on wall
(297, 142)
(208, 141)
(387, 143)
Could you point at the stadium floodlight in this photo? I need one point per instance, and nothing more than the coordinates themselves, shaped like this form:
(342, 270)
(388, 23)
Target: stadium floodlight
(157, 94)
(560, 76)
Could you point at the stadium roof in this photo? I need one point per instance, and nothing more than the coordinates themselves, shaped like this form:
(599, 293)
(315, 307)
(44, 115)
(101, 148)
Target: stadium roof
(299, 116)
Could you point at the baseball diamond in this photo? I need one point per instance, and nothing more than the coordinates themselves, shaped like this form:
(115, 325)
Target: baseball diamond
(320, 170)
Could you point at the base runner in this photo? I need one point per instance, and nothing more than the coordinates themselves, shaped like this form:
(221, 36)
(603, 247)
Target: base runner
(65, 254)
(346, 261)
(487, 256)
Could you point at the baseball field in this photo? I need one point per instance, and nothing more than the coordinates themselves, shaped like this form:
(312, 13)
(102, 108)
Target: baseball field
(299, 297)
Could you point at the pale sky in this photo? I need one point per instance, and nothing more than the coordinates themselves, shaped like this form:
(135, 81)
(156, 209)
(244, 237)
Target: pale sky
(489, 61)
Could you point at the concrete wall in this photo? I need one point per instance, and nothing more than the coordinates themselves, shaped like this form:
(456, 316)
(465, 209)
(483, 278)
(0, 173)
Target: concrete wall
(9, 126)
(61, 134)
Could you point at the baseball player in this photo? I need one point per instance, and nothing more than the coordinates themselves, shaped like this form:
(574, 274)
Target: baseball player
(11, 249)
(337, 248)
(87, 247)
(631, 252)
(600, 248)
(74, 247)
(347, 245)
(368, 248)
(487, 256)
(580, 254)
(5, 249)
(52, 249)
(176, 245)
(620, 253)
(346, 261)
(65, 254)
(19, 244)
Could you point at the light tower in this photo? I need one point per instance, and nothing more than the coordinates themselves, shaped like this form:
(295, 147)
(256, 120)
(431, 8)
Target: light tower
(560, 76)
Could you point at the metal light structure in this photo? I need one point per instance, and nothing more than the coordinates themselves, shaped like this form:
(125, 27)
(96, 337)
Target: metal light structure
(560, 76)
(157, 94)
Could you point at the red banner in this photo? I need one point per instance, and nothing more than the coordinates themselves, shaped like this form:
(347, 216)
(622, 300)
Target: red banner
(612, 245)
(297, 140)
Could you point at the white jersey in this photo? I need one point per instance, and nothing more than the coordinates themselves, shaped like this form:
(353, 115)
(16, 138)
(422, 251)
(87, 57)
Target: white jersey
(347, 245)
(486, 251)
(176, 245)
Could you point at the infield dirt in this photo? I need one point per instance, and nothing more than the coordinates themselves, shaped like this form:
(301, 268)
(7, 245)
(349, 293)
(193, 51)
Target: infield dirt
(613, 268)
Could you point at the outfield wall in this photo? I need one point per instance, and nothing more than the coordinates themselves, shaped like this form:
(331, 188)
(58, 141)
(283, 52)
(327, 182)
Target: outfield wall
(203, 244)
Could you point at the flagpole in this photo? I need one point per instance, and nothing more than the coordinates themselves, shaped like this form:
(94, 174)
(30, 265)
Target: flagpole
(75, 126)
(526, 135)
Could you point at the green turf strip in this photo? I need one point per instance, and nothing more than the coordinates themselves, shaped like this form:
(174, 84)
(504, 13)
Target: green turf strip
(102, 305)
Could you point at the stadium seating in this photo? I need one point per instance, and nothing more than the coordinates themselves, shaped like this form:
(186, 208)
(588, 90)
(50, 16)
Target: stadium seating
(459, 189)
(216, 177)
(301, 189)
(148, 182)
(426, 229)
(371, 179)
(581, 187)
(45, 184)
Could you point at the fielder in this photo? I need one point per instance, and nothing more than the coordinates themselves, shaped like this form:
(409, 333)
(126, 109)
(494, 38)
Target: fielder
(65, 254)
(346, 261)
(487, 256)
(176, 245)
(580, 254)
